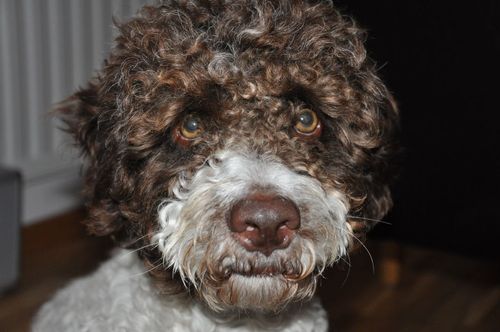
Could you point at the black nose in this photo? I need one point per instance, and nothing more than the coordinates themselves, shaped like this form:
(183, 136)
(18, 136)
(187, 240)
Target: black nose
(264, 222)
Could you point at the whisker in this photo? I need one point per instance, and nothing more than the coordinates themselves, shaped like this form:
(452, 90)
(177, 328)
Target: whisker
(370, 219)
(129, 252)
(349, 265)
(155, 266)
(362, 244)
(128, 244)
(367, 251)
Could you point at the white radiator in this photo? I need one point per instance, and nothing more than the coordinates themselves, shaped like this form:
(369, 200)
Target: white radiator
(47, 50)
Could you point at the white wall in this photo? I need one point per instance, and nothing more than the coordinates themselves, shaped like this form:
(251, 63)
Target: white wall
(47, 50)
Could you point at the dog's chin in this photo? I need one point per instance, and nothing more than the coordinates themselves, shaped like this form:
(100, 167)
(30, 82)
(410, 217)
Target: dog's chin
(264, 292)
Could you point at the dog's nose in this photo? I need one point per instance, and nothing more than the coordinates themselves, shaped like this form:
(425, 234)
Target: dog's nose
(264, 222)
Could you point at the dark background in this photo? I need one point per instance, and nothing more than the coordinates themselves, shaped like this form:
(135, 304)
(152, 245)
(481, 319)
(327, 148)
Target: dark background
(441, 61)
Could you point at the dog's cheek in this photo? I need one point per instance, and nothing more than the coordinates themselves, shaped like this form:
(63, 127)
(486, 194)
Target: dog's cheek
(328, 231)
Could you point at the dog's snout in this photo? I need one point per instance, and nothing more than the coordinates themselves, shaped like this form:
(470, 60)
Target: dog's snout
(264, 222)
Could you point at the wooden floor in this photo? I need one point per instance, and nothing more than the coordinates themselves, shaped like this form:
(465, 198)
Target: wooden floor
(53, 253)
(435, 292)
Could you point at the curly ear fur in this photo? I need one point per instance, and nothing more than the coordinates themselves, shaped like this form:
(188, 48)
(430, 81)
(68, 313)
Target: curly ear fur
(382, 165)
(82, 113)
(371, 138)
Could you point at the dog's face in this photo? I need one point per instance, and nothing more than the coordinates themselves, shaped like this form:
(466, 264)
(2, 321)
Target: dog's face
(240, 145)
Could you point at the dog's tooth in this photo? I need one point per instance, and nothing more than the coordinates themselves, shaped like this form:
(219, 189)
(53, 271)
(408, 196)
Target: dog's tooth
(298, 268)
(226, 262)
(227, 272)
(246, 267)
(290, 272)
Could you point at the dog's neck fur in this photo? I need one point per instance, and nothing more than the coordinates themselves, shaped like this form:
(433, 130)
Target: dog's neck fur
(123, 299)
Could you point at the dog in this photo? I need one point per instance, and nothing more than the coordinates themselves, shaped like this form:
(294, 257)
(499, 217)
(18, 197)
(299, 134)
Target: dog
(235, 149)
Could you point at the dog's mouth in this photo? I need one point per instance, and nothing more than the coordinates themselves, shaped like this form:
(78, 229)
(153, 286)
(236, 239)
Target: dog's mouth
(290, 273)
(268, 286)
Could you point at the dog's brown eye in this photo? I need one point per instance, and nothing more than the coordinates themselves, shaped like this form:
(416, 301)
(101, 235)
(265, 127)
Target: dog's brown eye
(307, 123)
(191, 127)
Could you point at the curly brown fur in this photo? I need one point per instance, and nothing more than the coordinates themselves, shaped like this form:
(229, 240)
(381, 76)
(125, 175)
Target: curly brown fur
(245, 68)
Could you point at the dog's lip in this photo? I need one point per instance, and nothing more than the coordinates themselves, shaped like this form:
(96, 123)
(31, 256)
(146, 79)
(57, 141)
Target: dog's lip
(267, 271)
(263, 271)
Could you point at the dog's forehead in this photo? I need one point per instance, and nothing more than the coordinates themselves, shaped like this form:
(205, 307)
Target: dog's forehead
(261, 88)
(235, 65)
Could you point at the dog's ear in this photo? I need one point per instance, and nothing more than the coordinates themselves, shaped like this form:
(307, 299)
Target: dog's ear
(384, 159)
(378, 151)
(80, 113)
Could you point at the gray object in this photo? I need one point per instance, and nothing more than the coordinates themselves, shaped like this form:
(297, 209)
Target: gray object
(9, 227)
